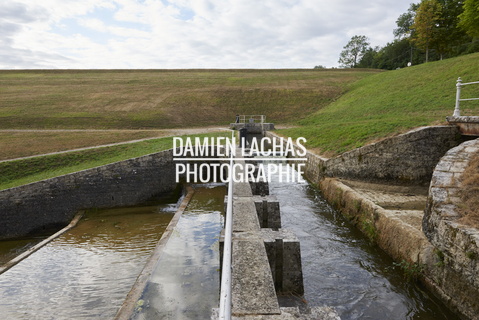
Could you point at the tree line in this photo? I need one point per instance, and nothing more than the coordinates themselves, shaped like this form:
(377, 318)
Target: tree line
(430, 30)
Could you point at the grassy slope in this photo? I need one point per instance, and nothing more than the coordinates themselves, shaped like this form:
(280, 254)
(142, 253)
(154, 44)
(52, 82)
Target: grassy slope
(138, 99)
(23, 144)
(19, 172)
(389, 103)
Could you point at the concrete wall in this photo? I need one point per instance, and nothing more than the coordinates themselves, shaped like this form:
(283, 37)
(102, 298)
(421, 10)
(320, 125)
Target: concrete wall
(52, 203)
(407, 158)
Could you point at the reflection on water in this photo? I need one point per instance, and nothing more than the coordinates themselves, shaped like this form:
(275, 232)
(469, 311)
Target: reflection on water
(87, 271)
(9, 249)
(341, 269)
(185, 283)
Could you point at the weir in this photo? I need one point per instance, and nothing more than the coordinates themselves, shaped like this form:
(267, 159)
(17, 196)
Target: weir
(267, 258)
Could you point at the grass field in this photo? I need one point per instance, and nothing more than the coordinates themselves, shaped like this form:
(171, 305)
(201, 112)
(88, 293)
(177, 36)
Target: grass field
(335, 110)
(19, 172)
(157, 99)
(17, 144)
(389, 103)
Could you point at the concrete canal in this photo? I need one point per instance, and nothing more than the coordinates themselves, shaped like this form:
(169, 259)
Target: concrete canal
(342, 269)
(185, 283)
(87, 272)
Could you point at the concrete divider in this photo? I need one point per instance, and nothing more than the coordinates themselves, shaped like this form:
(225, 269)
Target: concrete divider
(266, 260)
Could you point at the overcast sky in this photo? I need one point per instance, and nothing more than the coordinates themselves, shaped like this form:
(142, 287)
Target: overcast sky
(188, 33)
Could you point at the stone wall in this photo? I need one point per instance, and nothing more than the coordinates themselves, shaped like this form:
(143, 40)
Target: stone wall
(407, 158)
(52, 203)
(446, 253)
(456, 244)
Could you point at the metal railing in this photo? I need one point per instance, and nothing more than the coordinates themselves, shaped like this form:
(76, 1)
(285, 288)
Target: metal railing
(459, 85)
(225, 293)
(259, 118)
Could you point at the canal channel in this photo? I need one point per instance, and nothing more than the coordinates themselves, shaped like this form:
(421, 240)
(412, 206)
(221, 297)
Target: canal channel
(87, 272)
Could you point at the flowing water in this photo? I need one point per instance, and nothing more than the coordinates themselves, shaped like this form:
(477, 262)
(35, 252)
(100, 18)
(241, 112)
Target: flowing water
(185, 283)
(342, 269)
(87, 271)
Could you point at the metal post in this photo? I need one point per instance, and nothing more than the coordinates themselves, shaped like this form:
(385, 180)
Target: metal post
(457, 111)
(225, 295)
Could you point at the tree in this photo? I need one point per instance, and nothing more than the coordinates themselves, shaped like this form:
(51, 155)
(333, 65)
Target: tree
(448, 34)
(469, 19)
(405, 22)
(353, 51)
(426, 23)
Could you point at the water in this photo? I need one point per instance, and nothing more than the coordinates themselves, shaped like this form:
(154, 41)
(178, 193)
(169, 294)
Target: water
(342, 269)
(87, 272)
(9, 249)
(185, 282)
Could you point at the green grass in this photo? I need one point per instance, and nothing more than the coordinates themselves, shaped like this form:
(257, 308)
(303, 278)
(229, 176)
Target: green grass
(389, 103)
(156, 99)
(19, 172)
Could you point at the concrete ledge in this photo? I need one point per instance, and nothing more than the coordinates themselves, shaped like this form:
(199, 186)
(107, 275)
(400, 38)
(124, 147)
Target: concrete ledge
(401, 240)
(253, 127)
(245, 217)
(468, 125)
(316, 313)
(128, 307)
(405, 241)
(252, 282)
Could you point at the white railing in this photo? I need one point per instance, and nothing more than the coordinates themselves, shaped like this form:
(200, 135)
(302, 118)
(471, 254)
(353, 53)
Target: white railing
(225, 294)
(251, 118)
(459, 85)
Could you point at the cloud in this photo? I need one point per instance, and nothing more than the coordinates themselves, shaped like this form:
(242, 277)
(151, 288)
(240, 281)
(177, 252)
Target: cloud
(188, 33)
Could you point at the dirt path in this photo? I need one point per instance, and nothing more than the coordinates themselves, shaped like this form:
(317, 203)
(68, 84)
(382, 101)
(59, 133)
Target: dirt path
(162, 133)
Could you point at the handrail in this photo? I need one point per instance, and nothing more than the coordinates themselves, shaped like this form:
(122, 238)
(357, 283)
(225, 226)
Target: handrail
(459, 84)
(225, 294)
(258, 118)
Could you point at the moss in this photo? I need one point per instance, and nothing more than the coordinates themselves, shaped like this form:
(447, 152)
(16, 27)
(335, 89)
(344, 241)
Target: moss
(411, 271)
(360, 158)
(357, 205)
(367, 226)
(440, 257)
(471, 255)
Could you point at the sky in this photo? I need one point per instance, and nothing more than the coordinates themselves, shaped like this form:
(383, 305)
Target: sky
(183, 34)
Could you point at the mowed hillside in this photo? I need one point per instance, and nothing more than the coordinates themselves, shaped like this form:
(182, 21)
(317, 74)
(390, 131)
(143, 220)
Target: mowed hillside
(156, 99)
(390, 103)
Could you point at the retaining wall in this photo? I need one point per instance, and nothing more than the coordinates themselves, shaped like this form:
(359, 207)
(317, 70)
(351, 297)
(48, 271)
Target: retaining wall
(408, 158)
(52, 203)
(456, 244)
